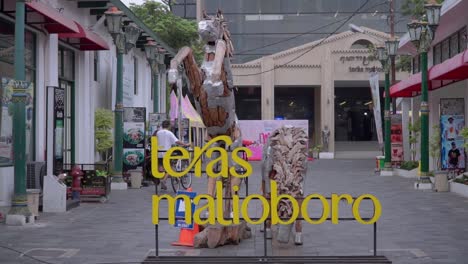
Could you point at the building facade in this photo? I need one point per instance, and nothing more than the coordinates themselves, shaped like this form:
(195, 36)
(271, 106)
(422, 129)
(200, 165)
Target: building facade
(325, 82)
(264, 27)
(68, 49)
(448, 84)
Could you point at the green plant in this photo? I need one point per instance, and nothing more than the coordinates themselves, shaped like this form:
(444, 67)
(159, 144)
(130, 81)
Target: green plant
(409, 165)
(414, 129)
(434, 146)
(103, 123)
(317, 148)
(464, 133)
(462, 180)
(101, 173)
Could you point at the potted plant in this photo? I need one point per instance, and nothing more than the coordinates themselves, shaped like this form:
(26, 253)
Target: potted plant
(316, 151)
(408, 169)
(434, 152)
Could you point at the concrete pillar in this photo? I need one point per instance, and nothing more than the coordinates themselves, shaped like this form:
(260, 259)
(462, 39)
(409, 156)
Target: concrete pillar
(51, 77)
(200, 8)
(268, 88)
(317, 115)
(327, 98)
(406, 109)
(40, 93)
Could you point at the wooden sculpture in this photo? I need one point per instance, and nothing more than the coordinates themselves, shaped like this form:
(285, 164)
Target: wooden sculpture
(212, 88)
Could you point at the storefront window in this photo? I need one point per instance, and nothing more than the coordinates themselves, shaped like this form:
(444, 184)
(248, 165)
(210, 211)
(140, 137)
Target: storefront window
(454, 45)
(462, 39)
(7, 73)
(437, 53)
(445, 49)
(249, 103)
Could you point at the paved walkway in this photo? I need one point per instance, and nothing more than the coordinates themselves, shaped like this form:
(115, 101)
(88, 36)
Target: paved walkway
(415, 227)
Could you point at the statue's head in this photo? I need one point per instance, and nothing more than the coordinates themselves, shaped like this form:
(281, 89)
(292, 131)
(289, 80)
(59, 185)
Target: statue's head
(210, 28)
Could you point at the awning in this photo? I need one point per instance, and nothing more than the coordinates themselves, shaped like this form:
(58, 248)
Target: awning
(85, 39)
(187, 111)
(53, 20)
(455, 68)
(408, 87)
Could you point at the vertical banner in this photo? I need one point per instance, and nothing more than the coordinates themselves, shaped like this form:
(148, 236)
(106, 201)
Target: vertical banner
(452, 121)
(134, 137)
(396, 136)
(6, 118)
(375, 91)
(155, 122)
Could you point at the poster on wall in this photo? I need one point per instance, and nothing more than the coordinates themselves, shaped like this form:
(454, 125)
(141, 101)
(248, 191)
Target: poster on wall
(185, 129)
(258, 132)
(396, 137)
(134, 135)
(6, 114)
(452, 121)
(59, 118)
(155, 122)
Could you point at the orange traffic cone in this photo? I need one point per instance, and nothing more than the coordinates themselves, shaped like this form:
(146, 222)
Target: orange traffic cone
(186, 236)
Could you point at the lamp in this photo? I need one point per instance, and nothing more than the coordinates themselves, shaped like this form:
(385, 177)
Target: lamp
(114, 21)
(150, 50)
(392, 46)
(433, 15)
(382, 54)
(132, 33)
(414, 30)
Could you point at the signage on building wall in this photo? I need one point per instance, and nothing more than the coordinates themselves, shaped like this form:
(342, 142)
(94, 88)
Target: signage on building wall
(258, 132)
(59, 119)
(396, 136)
(155, 121)
(362, 63)
(452, 121)
(134, 137)
(7, 87)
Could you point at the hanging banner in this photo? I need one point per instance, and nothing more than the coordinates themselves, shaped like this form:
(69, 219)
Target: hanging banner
(134, 137)
(396, 136)
(452, 121)
(258, 132)
(7, 86)
(375, 91)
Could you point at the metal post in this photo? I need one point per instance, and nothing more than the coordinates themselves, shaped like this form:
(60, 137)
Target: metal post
(424, 117)
(388, 153)
(20, 200)
(118, 124)
(375, 239)
(179, 116)
(155, 92)
(392, 58)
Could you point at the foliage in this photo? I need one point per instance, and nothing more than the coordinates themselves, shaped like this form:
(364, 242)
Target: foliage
(101, 173)
(434, 146)
(173, 30)
(462, 180)
(415, 8)
(414, 129)
(409, 165)
(403, 63)
(464, 133)
(103, 123)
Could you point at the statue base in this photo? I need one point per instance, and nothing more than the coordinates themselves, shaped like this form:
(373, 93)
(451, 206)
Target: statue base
(212, 236)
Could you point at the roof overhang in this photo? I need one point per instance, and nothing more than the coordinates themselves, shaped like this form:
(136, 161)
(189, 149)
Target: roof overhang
(85, 39)
(52, 20)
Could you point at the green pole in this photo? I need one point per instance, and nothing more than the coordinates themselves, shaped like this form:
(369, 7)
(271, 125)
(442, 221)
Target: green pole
(388, 153)
(118, 124)
(424, 117)
(20, 200)
(156, 93)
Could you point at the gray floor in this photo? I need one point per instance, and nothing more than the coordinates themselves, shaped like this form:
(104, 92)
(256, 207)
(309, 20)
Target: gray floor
(415, 226)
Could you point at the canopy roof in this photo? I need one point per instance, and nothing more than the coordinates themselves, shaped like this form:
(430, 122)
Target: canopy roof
(188, 111)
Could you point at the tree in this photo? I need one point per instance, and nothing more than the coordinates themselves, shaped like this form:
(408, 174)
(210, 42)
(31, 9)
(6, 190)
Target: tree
(103, 123)
(173, 30)
(434, 146)
(415, 8)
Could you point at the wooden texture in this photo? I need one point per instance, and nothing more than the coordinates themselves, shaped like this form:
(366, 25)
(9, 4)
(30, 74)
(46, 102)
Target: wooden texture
(213, 236)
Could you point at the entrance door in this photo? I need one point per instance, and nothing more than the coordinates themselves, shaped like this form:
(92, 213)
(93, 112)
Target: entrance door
(68, 122)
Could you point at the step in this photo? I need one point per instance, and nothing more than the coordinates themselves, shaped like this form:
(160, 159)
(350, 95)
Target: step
(272, 259)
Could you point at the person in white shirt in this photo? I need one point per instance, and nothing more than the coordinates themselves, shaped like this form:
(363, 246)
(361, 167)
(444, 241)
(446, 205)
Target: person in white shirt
(166, 139)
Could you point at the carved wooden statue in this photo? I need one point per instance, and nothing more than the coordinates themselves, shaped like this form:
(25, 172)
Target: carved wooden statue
(212, 88)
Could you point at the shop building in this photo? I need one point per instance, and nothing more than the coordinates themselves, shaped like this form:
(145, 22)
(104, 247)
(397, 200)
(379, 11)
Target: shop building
(447, 78)
(325, 82)
(68, 47)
